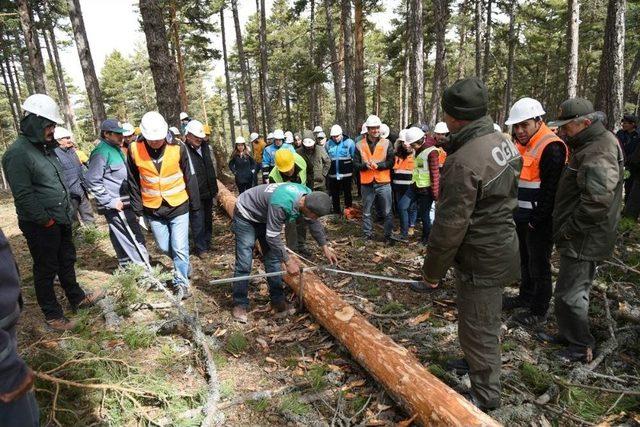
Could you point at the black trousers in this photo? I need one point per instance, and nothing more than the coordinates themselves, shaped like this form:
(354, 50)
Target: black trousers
(243, 186)
(53, 253)
(535, 265)
(202, 225)
(632, 197)
(336, 187)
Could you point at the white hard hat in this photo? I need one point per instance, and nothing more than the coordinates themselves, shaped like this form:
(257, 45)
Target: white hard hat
(497, 127)
(402, 135)
(195, 128)
(336, 130)
(317, 129)
(174, 130)
(278, 134)
(384, 130)
(183, 116)
(270, 135)
(364, 129)
(288, 137)
(321, 135)
(153, 126)
(61, 132)
(44, 106)
(413, 134)
(441, 127)
(524, 109)
(373, 121)
(308, 142)
(129, 129)
(240, 140)
(252, 137)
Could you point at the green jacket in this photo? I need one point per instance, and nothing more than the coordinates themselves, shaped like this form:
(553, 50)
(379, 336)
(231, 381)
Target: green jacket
(299, 176)
(589, 196)
(474, 229)
(35, 176)
(318, 164)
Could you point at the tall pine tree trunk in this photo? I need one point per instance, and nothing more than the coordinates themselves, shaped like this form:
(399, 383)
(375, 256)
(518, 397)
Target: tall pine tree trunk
(86, 62)
(10, 96)
(350, 100)
(24, 63)
(478, 32)
(31, 39)
(162, 63)
(361, 102)
(487, 42)
(70, 117)
(335, 65)
(631, 76)
(264, 69)
(244, 71)
(57, 77)
(314, 113)
(441, 10)
(462, 34)
(609, 96)
(511, 56)
(175, 36)
(226, 79)
(239, 108)
(573, 34)
(416, 62)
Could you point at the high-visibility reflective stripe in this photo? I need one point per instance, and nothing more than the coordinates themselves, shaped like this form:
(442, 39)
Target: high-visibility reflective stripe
(174, 190)
(341, 175)
(407, 171)
(150, 179)
(170, 178)
(402, 182)
(152, 192)
(344, 158)
(524, 204)
(529, 184)
(273, 233)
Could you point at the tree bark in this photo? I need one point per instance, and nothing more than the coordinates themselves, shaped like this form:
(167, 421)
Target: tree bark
(244, 71)
(378, 93)
(441, 10)
(631, 77)
(350, 100)
(13, 83)
(478, 31)
(86, 62)
(24, 64)
(264, 68)
(162, 63)
(573, 35)
(35, 55)
(287, 105)
(511, 56)
(335, 65)
(313, 88)
(68, 113)
(487, 41)
(418, 391)
(416, 62)
(226, 79)
(239, 108)
(361, 101)
(405, 106)
(609, 96)
(56, 73)
(9, 95)
(462, 34)
(175, 35)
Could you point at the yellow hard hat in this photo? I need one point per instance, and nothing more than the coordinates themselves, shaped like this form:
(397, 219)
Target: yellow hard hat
(137, 131)
(207, 129)
(284, 160)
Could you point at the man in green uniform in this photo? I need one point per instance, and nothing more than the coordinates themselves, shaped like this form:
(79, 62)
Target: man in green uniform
(585, 217)
(474, 231)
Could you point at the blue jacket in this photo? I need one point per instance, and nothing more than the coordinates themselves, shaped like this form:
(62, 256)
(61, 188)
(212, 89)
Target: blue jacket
(106, 178)
(341, 155)
(72, 170)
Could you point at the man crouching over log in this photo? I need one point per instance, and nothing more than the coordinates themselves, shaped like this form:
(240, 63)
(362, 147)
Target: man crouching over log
(260, 214)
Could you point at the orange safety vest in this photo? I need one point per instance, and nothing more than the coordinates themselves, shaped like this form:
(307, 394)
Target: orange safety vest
(442, 156)
(403, 170)
(532, 154)
(168, 184)
(368, 176)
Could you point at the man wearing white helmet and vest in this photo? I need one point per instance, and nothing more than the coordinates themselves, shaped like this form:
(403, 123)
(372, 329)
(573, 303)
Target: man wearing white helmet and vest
(544, 156)
(43, 206)
(440, 133)
(269, 154)
(374, 159)
(73, 170)
(341, 150)
(163, 189)
(202, 161)
(184, 120)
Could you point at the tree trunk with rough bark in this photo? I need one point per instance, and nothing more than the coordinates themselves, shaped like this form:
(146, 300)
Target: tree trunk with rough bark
(441, 10)
(68, 110)
(487, 41)
(31, 39)
(10, 96)
(573, 35)
(361, 101)
(314, 113)
(86, 62)
(416, 62)
(264, 69)
(175, 36)
(511, 56)
(631, 77)
(24, 63)
(244, 71)
(462, 36)
(609, 96)
(478, 33)
(162, 63)
(227, 79)
(349, 92)
(335, 65)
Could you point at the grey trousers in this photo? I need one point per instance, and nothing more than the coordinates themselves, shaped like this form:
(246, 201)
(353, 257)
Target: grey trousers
(295, 234)
(571, 299)
(479, 334)
(381, 195)
(121, 239)
(81, 207)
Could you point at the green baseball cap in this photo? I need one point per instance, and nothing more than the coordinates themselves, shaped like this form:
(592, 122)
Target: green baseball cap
(571, 109)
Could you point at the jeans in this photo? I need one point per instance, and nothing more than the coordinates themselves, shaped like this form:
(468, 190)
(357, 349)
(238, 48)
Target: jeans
(202, 225)
(423, 201)
(247, 232)
(53, 253)
(81, 207)
(407, 211)
(381, 194)
(20, 413)
(172, 237)
(535, 265)
(335, 187)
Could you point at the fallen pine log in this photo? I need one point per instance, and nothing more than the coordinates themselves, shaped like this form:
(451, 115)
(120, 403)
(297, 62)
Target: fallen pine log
(418, 391)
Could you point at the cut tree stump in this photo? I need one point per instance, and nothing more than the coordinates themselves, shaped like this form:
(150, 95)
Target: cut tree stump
(412, 386)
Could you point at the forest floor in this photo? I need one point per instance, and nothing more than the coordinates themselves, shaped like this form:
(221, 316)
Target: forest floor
(141, 372)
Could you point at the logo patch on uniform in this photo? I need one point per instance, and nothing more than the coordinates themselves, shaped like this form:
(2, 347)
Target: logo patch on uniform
(504, 153)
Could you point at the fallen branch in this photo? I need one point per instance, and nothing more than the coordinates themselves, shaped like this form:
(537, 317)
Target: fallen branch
(593, 387)
(93, 386)
(257, 395)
